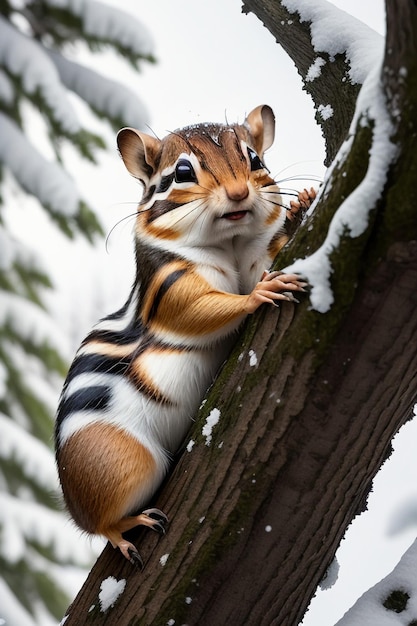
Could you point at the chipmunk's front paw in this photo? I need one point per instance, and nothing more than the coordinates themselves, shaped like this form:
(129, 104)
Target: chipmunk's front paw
(275, 286)
(300, 206)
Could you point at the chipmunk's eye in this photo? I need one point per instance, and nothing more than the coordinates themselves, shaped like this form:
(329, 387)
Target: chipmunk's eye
(184, 172)
(255, 161)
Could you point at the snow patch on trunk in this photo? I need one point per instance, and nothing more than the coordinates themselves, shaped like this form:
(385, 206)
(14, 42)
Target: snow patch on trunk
(110, 590)
(211, 421)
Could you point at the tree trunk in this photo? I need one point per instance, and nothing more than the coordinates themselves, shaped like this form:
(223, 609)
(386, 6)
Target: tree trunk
(307, 403)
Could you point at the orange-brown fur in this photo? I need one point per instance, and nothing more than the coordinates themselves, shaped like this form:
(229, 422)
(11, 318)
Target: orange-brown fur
(192, 307)
(277, 244)
(156, 284)
(107, 466)
(157, 232)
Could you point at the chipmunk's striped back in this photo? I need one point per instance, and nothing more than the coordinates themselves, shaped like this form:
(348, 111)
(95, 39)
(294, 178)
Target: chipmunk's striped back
(209, 223)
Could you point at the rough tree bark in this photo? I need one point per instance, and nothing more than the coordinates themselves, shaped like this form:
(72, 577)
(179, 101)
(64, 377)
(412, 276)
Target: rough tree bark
(308, 402)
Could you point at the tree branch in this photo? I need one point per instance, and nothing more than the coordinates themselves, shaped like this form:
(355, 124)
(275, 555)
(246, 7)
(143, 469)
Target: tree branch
(332, 87)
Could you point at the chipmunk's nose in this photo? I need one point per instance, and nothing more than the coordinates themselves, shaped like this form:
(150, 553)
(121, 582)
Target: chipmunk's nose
(237, 191)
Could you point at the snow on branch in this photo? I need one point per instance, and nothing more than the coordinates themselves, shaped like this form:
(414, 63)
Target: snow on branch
(105, 96)
(113, 25)
(392, 601)
(6, 89)
(13, 251)
(44, 179)
(109, 24)
(21, 523)
(31, 454)
(332, 51)
(30, 322)
(352, 217)
(12, 610)
(24, 58)
(336, 32)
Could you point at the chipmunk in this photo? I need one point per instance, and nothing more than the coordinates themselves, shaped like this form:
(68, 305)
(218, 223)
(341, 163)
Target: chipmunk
(210, 221)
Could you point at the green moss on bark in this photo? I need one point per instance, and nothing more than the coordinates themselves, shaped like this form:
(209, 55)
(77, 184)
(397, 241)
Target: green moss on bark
(396, 601)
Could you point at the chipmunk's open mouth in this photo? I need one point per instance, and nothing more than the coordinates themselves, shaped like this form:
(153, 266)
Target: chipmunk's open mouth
(235, 215)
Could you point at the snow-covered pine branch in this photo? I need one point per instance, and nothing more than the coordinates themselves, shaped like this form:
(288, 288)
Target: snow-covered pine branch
(46, 180)
(22, 524)
(106, 97)
(24, 528)
(33, 456)
(104, 24)
(30, 69)
(26, 60)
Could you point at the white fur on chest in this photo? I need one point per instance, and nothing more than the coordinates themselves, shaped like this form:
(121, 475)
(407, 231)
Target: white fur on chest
(233, 268)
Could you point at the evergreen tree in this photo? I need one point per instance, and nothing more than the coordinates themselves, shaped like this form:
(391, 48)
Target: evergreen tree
(37, 39)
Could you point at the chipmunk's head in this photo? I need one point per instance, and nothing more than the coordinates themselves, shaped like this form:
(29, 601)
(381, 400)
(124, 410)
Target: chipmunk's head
(207, 183)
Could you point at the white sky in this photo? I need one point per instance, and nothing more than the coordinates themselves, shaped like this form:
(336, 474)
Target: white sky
(212, 61)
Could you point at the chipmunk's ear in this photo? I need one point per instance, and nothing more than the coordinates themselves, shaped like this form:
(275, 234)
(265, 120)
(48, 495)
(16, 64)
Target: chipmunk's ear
(139, 152)
(261, 125)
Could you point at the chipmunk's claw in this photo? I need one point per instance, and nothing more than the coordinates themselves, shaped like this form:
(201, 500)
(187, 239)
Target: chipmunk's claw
(156, 514)
(130, 553)
(159, 528)
(303, 279)
(290, 296)
(135, 558)
(159, 520)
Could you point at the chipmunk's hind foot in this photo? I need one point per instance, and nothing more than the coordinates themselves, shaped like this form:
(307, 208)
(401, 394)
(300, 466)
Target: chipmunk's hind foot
(131, 554)
(152, 518)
